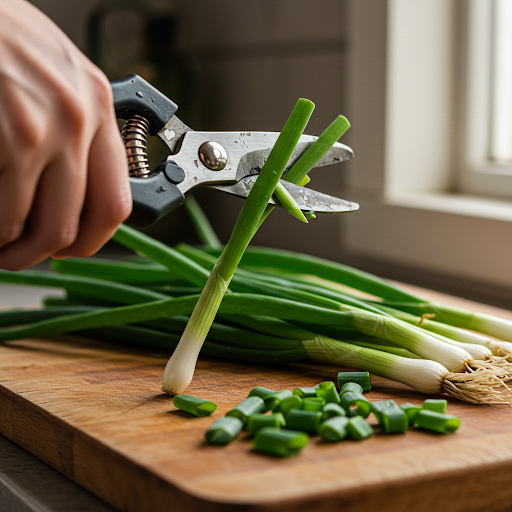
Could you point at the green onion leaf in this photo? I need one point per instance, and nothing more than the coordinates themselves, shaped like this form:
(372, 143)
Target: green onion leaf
(334, 429)
(436, 421)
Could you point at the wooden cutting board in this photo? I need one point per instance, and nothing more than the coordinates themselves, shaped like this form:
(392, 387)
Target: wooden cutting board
(95, 412)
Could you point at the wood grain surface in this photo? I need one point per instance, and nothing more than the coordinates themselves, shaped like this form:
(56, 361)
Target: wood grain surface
(95, 412)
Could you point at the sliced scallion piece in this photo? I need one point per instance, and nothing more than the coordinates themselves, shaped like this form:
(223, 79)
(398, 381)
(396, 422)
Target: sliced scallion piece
(224, 430)
(436, 421)
(276, 441)
(260, 391)
(359, 428)
(305, 392)
(272, 401)
(331, 410)
(194, 405)
(327, 391)
(257, 421)
(434, 404)
(355, 404)
(313, 403)
(304, 421)
(361, 378)
(380, 406)
(288, 403)
(351, 386)
(393, 420)
(246, 408)
(334, 429)
(411, 410)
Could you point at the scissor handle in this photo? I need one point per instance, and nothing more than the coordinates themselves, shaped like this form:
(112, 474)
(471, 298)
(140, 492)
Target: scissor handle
(133, 95)
(146, 109)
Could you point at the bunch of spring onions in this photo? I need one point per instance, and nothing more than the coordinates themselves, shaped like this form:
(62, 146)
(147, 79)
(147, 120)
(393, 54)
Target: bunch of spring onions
(277, 307)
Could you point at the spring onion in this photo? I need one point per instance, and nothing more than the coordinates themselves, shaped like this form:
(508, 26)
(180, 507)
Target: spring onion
(411, 410)
(224, 430)
(305, 392)
(361, 378)
(260, 391)
(351, 386)
(393, 420)
(334, 429)
(279, 442)
(194, 405)
(304, 421)
(436, 405)
(257, 421)
(288, 403)
(249, 406)
(272, 401)
(180, 368)
(313, 403)
(436, 421)
(327, 391)
(355, 404)
(378, 407)
(359, 428)
(330, 410)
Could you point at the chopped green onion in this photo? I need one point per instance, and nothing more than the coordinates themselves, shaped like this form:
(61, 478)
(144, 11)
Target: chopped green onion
(279, 442)
(260, 391)
(250, 406)
(327, 391)
(355, 404)
(411, 410)
(194, 405)
(331, 410)
(288, 403)
(257, 421)
(180, 367)
(272, 401)
(436, 421)
(313, 403)
(333, 429)
(351, 386)
(393, 420)
(378, 407)
(305, 421)
(224, 430)
(361, 378)
(436, 405)
(359, 428)
(305, 392)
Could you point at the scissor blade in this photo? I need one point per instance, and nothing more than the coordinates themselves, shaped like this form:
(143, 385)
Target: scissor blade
(306, 198)
(252, 161)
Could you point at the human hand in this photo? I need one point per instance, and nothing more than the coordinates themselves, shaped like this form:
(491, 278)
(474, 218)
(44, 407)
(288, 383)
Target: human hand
(63, 171)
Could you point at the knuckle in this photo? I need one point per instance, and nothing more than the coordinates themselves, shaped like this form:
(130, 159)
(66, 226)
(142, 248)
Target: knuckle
(10, 232)
(61, 238)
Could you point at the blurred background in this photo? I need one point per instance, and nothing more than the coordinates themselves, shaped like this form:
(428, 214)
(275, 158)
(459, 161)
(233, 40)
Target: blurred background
(424, 84)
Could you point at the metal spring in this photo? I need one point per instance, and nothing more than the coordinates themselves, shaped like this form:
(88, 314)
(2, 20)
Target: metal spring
(135, 135)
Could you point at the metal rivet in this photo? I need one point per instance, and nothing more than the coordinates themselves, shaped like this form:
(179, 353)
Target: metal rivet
(213, 155)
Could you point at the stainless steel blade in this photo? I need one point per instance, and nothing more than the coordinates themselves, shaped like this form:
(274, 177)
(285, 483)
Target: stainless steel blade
(246, 152)
(306, 198)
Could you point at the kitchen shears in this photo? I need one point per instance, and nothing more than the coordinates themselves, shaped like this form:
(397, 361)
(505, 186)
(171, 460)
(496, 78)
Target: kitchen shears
(226, 161)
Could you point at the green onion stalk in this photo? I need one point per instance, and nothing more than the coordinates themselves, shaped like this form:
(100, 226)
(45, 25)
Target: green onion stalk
(180, 368)
(491, 325)
(482, 386)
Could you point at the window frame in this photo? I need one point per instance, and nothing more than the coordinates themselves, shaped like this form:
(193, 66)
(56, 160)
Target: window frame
(416, 221)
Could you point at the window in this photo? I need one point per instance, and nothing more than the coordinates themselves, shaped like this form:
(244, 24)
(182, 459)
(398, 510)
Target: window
(486, 166)
(419, 211)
